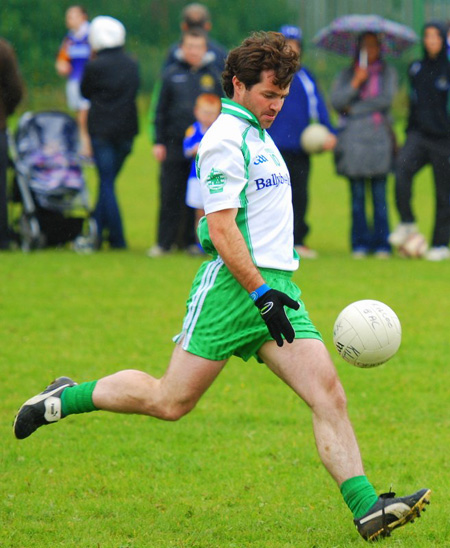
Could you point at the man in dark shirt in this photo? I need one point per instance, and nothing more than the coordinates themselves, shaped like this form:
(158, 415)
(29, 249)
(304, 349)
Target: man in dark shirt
(427, 142)
(182, 82)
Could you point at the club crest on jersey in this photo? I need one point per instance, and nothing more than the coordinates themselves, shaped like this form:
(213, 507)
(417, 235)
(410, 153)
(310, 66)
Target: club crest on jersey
(216, 181)
(207, 82)
(273, 156)
(275, 180)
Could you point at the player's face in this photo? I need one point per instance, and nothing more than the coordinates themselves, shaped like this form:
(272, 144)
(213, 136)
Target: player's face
(264, 99)
(432, 40)
(194, 49)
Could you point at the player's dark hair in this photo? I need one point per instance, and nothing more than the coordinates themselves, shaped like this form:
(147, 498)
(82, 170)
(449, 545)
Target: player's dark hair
(259, 52)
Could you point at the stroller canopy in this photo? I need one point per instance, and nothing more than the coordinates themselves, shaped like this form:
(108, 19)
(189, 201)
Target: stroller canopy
(46, 146)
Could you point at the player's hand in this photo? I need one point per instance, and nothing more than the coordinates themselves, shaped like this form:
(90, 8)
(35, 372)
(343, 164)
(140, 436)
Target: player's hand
(271, 306)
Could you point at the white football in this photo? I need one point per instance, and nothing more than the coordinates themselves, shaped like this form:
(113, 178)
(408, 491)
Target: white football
(313, 138)
(414, 247)
(367, 333)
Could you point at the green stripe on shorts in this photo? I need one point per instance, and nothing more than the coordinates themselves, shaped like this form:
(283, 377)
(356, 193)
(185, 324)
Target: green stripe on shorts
(222, 320)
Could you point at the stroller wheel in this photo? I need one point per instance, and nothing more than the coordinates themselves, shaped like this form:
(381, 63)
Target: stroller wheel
(30, 233)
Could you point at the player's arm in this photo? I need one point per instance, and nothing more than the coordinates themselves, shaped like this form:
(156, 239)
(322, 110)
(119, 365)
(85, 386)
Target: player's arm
(231, 246)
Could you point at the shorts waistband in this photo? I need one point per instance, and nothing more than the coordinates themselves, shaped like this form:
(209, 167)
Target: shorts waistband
(284, 273)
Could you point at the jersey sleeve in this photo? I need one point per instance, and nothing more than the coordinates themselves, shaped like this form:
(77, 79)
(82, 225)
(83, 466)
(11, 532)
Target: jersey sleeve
(222, 171)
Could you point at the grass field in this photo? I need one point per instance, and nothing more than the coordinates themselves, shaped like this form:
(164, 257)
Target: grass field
(241, 470)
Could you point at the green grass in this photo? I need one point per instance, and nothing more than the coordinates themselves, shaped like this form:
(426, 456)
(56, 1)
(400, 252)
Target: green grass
(241, 470)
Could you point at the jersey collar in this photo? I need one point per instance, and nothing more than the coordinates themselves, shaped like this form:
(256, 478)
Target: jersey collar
(231, 107)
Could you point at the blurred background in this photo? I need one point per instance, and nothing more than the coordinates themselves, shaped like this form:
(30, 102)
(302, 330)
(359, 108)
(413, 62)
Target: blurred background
(36, 27)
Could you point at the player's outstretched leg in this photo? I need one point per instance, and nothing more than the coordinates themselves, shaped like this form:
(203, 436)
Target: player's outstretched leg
(42, 409)
(390, 512)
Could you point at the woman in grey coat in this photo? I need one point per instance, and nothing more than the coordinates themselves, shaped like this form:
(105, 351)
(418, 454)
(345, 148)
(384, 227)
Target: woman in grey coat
(363, 94)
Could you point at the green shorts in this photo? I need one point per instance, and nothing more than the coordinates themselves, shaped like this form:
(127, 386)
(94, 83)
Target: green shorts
(222, 320)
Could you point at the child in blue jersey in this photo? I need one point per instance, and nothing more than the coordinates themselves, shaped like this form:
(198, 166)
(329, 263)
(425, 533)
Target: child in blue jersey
(207, 109)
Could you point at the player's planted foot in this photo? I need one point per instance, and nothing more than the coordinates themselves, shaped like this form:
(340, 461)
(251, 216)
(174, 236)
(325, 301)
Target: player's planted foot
(390, 512)
(42, 409)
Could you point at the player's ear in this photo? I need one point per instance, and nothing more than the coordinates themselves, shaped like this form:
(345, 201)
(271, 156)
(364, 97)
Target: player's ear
(239, 86)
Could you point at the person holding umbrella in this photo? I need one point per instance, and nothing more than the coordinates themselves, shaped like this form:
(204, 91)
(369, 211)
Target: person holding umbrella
(427, 141)
(363, 94)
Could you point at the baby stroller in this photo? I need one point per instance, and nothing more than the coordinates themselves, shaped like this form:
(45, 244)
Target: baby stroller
(49, 184)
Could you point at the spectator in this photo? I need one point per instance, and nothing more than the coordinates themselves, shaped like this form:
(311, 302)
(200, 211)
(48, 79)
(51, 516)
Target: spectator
(207, 109)
(11, 91)
(427, 141)
(363, 94)
(111, 83)
(72, 57)
(447, 40)
(303, 105)
(182, 82)
(197, 16)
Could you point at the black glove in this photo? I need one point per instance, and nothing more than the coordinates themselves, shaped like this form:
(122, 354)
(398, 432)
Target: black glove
(271, 306)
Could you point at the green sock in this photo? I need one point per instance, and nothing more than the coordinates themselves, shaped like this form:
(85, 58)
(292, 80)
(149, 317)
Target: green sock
(78, 399)
(359, 495)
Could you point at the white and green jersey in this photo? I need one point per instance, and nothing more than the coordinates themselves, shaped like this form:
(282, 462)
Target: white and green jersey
(239, 166)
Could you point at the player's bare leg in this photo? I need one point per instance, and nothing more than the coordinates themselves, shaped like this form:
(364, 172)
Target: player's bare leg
(128, 391)
(173, 395)
(306, 367)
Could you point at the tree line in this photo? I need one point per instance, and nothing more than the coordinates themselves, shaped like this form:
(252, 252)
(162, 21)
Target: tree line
(36, 27)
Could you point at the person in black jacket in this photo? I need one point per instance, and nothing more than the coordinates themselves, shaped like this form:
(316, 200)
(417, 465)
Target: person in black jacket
(427, 142)
(182, 82)
(11, 91)
(110, 81)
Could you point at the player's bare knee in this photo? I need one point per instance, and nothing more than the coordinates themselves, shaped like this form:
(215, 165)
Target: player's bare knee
(174, 411)
(331, 398)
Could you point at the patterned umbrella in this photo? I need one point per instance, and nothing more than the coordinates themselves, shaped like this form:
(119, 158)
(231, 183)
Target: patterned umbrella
(342, 34)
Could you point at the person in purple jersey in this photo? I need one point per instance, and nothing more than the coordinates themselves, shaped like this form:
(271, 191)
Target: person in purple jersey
(73, 55)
